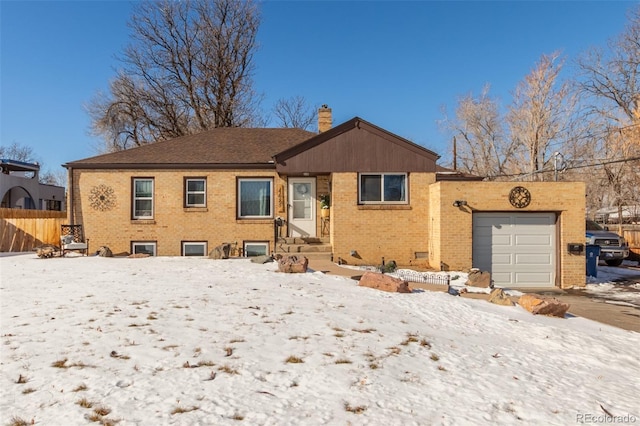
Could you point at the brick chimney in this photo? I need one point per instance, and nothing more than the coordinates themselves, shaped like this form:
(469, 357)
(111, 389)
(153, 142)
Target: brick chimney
(324, 118)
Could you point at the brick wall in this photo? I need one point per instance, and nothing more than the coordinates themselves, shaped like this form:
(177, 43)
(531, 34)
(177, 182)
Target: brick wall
(395, 232)
(452, 229)
(172, 223)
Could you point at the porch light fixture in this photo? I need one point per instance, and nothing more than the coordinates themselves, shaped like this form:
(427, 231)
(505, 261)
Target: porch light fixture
(459, 203)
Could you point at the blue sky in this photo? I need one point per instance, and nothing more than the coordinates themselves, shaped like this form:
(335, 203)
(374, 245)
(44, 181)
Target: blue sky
(395, 64)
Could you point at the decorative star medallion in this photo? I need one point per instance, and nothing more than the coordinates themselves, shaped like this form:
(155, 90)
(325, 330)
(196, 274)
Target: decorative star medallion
(102, 198)
(520, 197)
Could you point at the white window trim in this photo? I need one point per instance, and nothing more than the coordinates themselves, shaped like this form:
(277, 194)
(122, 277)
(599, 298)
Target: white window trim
(239, 198)
(144, 243)
(143, 198)
(406, 188)
(194, 243)
(187, 192)
(265, 244)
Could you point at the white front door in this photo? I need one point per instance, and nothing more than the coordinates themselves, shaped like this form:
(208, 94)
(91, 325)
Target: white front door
(302, 207)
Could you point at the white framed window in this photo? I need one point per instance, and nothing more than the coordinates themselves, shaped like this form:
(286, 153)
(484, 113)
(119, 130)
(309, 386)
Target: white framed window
(256, 248)
(142, 198)
(382, 188)
(255, 198)
(195, 192)
(194, 248)
(143, 247)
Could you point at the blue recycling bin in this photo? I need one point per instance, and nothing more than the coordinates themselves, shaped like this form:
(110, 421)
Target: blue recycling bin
(593, 254)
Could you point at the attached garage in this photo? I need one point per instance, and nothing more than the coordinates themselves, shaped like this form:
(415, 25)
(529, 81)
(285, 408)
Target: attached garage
(518, 248)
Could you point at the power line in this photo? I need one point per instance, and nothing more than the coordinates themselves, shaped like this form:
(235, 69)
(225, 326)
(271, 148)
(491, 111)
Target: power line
(582, 166)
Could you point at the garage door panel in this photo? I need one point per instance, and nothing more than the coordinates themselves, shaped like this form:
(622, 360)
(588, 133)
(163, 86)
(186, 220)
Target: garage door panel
(542, 259)
(532, 279)
(501, 259)
(519, 249)
(533, 240)
(501, 240)
(526, 219)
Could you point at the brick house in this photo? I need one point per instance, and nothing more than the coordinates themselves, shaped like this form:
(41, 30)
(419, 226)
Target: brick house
(260, 188)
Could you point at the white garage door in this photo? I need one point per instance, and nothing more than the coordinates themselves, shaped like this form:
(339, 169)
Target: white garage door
(519, 249)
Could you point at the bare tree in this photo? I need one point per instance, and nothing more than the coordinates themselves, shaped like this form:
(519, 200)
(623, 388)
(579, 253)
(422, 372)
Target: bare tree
(609, 81)
(482, 148)
(294, 112)
(188, 68)
(24, 153)
(540, 115)
(17, 152)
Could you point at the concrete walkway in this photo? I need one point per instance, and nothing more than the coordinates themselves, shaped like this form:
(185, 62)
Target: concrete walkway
(582, 305)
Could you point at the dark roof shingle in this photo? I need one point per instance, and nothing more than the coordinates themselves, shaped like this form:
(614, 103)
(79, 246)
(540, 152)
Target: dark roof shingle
(224, 146)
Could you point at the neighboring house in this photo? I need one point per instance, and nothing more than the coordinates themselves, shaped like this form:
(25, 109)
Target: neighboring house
(389, 200)
(20, 188)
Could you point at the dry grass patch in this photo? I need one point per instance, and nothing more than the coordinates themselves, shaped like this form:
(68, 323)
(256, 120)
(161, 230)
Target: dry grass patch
(363, 330)
(181, 410)
(228, 370)
(359, 409)
(411, 338)
(22, 379)
(17, 421)
(298, 337)
(294, 360)
(342, 361)
(28, 391)
(84, 403)
(434, 357)
(394, 350)
(102, 411)
(232, 341)
(237, 416)
(81, 387)
(61, 363)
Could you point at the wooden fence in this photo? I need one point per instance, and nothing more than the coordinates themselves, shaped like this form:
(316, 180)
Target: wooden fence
(633, 239)
(23, 230)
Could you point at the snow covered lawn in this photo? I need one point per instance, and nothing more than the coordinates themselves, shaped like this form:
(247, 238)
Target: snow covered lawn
(176, 340)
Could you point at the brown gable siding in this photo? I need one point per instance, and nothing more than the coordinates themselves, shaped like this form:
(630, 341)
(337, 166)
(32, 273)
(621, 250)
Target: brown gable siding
(356, 146)
(217, 148)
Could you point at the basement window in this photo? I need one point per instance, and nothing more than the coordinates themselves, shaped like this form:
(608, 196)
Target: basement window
(143, 247)
(256, 248)
(194, 248)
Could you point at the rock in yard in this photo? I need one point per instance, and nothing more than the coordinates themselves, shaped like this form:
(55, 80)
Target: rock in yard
(220, 252)
(498, 297)
(104, 251)
(384, 283)
(261, 259)
(479, 278)
(46, 251)
(293, 264)
(543, 305)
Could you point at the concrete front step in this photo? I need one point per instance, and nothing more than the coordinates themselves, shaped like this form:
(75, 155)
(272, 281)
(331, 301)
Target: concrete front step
(317, 256)
(304, 240)
(303, 248)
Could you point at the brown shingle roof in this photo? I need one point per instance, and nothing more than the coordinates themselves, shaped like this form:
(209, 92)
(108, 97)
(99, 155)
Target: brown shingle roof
(220, 147)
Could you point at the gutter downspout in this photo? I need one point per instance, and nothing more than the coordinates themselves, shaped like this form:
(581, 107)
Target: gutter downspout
(70, 204)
